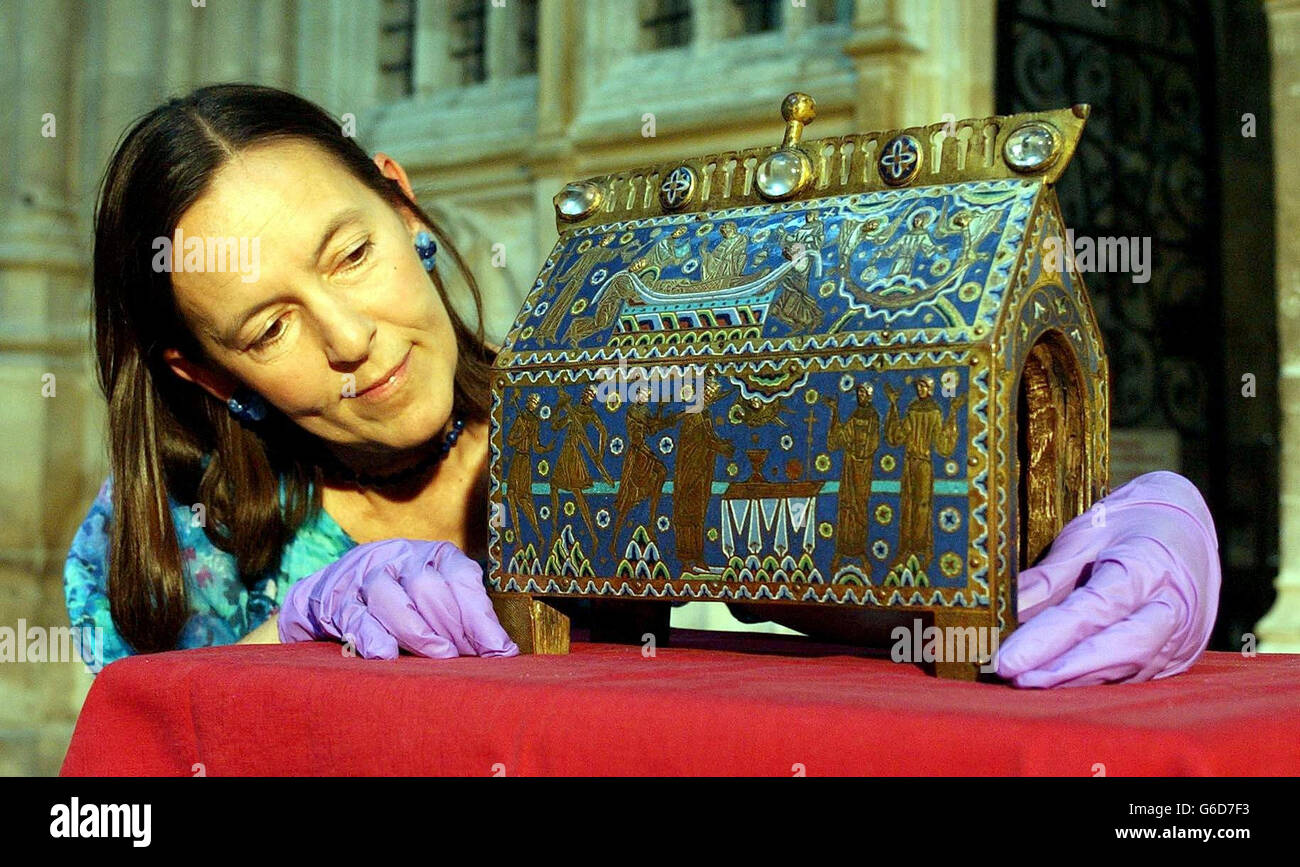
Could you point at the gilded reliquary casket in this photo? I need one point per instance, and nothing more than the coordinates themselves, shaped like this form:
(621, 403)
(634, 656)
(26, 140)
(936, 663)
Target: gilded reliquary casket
(838, 372)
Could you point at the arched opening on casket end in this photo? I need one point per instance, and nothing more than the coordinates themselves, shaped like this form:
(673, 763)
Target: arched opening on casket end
(1051, 440)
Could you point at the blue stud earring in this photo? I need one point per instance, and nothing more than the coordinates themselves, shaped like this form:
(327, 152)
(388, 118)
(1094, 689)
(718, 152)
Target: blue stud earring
(246, 405)
(428, 250)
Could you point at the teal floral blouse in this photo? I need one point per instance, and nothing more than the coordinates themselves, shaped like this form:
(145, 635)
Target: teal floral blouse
(224, 609)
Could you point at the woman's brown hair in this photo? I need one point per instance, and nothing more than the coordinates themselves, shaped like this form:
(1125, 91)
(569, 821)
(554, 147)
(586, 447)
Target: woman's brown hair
(162, 427)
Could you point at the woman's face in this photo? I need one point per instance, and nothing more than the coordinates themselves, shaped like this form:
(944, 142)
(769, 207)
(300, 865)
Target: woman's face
(340, 300)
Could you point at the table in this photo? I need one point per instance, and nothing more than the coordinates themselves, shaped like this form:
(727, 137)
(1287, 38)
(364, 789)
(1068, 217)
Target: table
(711, 704)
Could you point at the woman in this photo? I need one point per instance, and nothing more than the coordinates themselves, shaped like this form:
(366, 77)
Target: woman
(283, 433)
(332, 301)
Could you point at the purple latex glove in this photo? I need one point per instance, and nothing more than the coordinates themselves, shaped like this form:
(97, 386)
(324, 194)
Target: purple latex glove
(1148, 560)
(425, 597)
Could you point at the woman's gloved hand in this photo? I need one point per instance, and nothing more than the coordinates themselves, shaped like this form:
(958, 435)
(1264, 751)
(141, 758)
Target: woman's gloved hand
(1128, 591)
(425, 597)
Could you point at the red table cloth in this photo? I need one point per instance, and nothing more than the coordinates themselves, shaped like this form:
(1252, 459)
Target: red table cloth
(710, 704)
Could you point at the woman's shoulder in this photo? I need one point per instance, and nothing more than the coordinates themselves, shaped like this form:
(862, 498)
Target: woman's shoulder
(202, 561)
(210, 574)
(85, 582)
(90, 543)
(222, 600)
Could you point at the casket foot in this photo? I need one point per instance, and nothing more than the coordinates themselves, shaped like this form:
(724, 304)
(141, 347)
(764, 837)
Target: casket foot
(964, 636)
(532, 624)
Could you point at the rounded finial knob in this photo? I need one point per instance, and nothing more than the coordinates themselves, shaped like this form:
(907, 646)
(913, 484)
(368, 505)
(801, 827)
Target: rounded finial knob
(798, 106)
